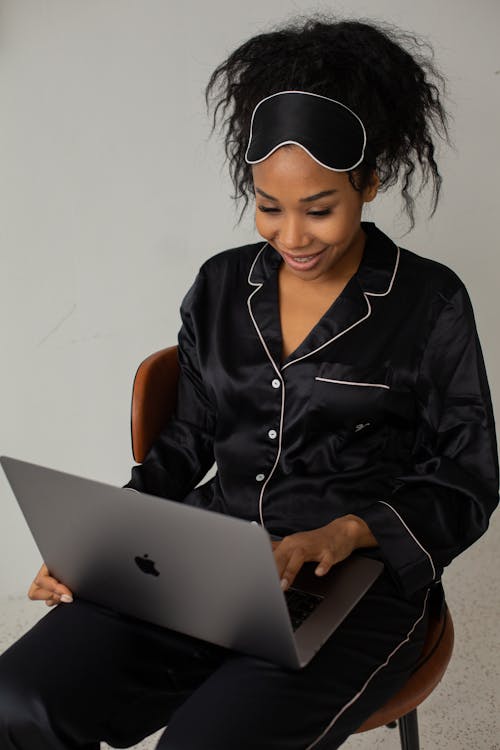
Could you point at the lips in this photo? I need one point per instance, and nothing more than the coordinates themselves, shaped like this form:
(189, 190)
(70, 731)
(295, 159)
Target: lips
(302, 262)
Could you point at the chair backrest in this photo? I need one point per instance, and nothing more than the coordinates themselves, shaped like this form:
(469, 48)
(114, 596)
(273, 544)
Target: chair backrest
(154, 395)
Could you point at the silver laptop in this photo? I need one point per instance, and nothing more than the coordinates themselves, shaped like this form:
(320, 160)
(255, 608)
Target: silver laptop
(201, 573)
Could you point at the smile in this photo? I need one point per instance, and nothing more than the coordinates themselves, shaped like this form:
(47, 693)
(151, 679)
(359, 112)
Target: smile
(302, 262)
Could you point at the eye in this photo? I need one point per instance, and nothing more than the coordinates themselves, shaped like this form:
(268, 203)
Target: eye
(267, 210)
(325, 212)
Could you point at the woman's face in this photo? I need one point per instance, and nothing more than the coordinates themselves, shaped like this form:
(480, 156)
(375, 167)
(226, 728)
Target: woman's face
(310, 215)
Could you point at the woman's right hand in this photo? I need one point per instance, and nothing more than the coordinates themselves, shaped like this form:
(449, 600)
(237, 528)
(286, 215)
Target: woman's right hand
(49, 589)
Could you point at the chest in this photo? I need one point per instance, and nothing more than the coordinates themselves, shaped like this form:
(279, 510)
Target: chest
(300, 310)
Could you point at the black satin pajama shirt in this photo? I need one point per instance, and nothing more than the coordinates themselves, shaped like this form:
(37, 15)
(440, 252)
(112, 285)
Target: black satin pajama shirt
(383, 411)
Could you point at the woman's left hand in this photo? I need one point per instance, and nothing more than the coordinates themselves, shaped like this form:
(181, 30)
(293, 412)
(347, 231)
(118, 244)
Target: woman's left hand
(327, 545)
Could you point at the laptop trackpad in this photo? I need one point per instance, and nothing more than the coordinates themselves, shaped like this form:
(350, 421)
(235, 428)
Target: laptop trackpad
(350, 578)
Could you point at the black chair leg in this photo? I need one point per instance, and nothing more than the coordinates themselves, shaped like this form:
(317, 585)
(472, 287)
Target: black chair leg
(408, 731)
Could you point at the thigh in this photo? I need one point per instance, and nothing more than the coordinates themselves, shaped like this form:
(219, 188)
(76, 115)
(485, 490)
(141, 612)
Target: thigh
(248, 702)
(85, 674)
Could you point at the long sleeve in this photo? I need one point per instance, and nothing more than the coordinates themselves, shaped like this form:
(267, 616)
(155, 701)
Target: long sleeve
(183, 453)
(443, 504)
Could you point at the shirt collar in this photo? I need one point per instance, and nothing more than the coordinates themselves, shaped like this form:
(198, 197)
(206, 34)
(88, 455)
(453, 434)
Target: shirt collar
(375, 273)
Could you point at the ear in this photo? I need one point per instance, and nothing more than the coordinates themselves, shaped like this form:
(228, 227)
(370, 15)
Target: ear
(371, 189)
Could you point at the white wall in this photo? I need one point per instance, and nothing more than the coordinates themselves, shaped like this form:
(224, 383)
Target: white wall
(112, 195)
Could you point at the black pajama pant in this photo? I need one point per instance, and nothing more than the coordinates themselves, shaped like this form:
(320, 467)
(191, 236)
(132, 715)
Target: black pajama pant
(84, 674)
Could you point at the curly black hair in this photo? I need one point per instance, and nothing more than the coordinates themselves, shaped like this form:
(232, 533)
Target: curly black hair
(386, 75)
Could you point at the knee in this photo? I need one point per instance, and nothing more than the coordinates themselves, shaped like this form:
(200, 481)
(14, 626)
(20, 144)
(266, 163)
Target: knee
(22, 716)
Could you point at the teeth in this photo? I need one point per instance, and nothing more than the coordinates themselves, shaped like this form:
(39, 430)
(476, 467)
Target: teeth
(304, 260)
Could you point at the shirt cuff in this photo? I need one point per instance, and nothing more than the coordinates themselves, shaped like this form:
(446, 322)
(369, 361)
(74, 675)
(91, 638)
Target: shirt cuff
(408, 561)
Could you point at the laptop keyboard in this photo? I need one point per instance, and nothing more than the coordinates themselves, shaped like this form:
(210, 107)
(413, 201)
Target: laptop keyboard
(300, 605)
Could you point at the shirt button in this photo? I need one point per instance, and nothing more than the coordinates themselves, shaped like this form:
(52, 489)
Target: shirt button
(260, 477)
(275, 383)
(272, 434)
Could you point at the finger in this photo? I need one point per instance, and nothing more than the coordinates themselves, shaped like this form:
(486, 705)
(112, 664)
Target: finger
(57, 592)
(56, 596)
(52, 601)
(51, 584)
(35, 590)
(43, 576)
(325, 564)
(282, 553)
(39, 594)
(48, 583)
(32, 590)
(292, 567)
(290, 548)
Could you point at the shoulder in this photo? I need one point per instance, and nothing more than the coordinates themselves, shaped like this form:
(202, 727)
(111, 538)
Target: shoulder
(421, 288)
(234, 261)
(436, 290)
(428, 276)
(415, 279)
(225, 272)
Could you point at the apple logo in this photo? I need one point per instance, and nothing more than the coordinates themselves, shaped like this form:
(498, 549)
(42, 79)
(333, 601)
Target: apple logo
(146, 565)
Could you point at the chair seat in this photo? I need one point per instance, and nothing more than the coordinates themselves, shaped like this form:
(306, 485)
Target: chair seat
(431, 667)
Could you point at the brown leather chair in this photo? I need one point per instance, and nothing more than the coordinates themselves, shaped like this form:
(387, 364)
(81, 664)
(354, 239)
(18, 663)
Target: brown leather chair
(153, 401)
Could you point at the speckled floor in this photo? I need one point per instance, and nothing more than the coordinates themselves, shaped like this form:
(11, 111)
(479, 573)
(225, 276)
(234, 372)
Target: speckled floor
(463, 711)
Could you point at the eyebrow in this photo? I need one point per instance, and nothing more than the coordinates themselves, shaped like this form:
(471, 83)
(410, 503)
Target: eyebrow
(309, 199)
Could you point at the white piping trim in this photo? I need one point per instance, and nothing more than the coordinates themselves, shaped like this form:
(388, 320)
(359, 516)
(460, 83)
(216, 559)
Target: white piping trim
(282, 414)
(315, 158)
(413, 536)
(249, 305)
(391, 283)
(256, 283)
(366, 295)
(334, 338)
(258, 286)
(351, 382)
(295, 143)
(370, 678)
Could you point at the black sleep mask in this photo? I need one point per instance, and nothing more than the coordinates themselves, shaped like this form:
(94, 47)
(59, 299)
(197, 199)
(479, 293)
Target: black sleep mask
(331, 133)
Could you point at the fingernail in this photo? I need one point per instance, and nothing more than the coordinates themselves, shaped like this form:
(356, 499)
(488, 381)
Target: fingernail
(320, 571)
(66, 598)
(284, 584)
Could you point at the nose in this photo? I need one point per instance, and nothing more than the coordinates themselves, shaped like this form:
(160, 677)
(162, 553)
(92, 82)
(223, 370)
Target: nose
(292, 235)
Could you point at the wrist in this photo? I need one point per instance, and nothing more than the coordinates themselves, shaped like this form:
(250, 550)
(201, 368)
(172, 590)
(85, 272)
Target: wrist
(360, 532)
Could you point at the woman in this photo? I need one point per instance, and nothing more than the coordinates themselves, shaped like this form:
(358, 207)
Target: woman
(338, 382)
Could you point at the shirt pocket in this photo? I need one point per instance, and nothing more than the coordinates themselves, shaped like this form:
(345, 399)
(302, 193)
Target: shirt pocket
(354, 402)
